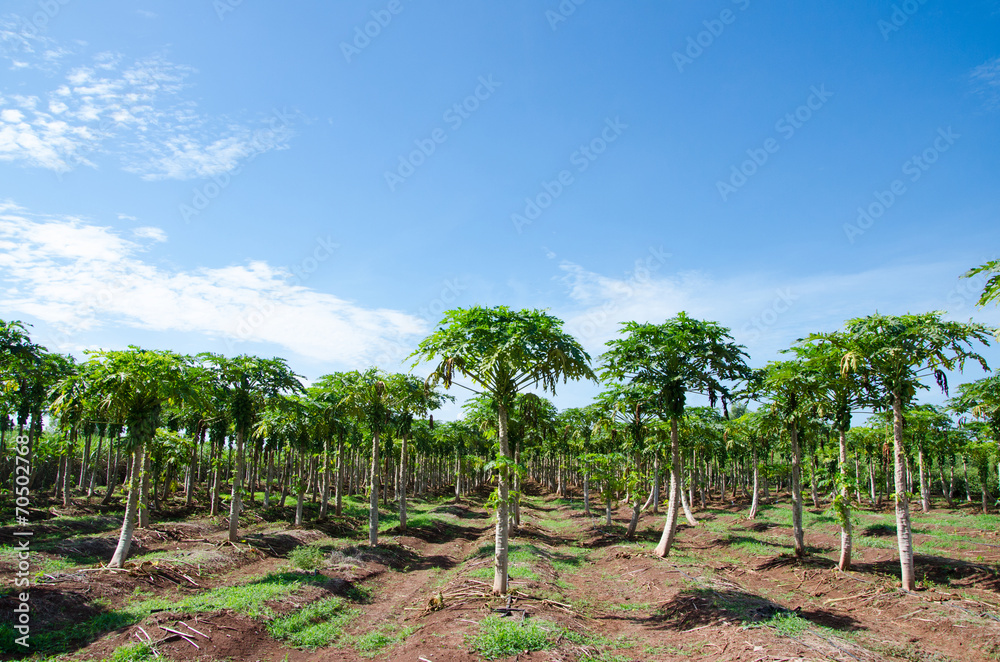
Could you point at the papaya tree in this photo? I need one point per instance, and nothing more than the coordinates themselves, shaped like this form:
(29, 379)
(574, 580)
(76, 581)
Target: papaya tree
(683, 355)
(894, 353)
(133, 386)
(246, 383)
(503, 352)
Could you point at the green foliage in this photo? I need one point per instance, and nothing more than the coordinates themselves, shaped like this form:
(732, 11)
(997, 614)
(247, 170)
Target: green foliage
(372, 643)
(141, 652)
(679, 356)
(503, 637)
(307, 557)
(318, 624)
(503, 351)
(991, 290)
(249, 598)
(893, 352)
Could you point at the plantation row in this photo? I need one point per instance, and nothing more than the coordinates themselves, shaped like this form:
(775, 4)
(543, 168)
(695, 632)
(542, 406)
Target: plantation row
(143, 424)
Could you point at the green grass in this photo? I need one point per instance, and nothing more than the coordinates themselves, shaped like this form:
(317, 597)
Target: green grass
(307, 557)
(249, 599)
(605, 657)
(318, 624)
(373, 643)
(132, 653)
(503, 637)
(788, 624)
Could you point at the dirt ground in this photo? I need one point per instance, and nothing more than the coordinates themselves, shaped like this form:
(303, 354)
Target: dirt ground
(728, 591)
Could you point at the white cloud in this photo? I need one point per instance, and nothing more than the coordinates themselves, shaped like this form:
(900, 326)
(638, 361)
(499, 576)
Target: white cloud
(77, 276)
(136, 112)
(986, 81)
(766, 312)
(151, 233)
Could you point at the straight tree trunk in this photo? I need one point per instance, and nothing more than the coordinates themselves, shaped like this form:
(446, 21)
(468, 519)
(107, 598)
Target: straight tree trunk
(93, 471)
(797, 533)
(236, 504)
(66, 482)
(925, 490)
(846, 537)
(286, 471)
(338, 505)
(269, 478)
(670, 527)
(871, 479)
(325, 499)
(945, 492)
(85, 461)
(656, 482)
(128, 525)
(300, 488)
(755, 503)
(144, 495)
(812, 481)
(374, 490)
(503, 485)
(904, 535)
(402, 482)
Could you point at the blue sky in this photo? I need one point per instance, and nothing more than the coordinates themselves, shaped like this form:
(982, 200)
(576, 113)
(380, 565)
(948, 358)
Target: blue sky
(320, 180)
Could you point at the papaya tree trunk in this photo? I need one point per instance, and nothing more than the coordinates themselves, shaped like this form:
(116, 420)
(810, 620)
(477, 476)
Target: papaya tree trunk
(800, 546)
(402, 482)
(904, 535)
(925, 490)
(670, 526)
(503, 487)
(373, 492)
(844, 512)
(325, 498)
(755, 502)
(131, 506)
(236, 503)
(339, 496)
(144, 494)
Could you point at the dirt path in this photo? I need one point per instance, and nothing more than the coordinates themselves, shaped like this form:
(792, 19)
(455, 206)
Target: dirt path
(729, 590)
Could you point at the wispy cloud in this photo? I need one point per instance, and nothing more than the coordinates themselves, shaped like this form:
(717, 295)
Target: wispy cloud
(766, 312)
(24, 47)
(986, 81)
(135, 111)
(76, 276)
